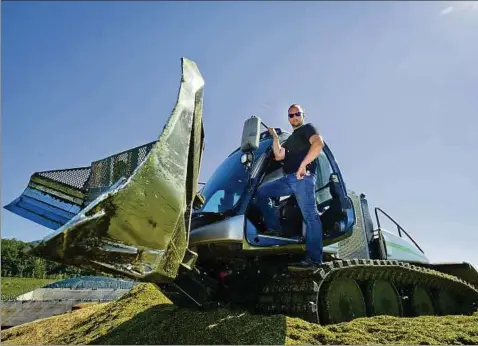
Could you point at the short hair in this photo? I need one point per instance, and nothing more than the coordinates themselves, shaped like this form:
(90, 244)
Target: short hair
(296, 105)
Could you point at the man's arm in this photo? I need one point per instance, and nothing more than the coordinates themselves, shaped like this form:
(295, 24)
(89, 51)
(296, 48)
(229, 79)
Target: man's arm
(279, 152)
(317, 143)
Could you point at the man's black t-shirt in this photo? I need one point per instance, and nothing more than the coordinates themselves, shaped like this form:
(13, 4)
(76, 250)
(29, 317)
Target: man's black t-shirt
(296, 148)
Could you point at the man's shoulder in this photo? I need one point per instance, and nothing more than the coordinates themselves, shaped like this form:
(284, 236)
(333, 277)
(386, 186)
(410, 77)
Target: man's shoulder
(310, 127)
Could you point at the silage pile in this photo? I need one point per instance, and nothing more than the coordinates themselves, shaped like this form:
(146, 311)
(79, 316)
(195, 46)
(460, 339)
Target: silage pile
(145, 316)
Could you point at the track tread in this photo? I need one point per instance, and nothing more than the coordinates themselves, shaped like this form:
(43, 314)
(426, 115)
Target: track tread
(285, 290)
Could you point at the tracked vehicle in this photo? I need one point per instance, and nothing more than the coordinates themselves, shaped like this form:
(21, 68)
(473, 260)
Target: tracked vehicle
(141, 214)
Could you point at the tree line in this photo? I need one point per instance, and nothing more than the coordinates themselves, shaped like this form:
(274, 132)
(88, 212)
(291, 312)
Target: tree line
(16, 263)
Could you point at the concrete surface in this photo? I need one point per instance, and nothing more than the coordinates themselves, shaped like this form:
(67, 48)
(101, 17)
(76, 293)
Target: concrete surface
(19, 312)
(47, 302)
(67, 293)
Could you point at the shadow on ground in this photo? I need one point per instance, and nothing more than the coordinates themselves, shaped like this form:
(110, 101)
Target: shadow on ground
(166, 324)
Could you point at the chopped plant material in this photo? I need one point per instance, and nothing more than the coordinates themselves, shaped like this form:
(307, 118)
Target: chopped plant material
(46, 330)
(146, 316)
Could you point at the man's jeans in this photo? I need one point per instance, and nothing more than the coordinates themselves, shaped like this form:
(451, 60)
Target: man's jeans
(304, 191)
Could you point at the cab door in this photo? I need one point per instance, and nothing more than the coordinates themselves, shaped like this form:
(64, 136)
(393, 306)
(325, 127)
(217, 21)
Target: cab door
(335, 206)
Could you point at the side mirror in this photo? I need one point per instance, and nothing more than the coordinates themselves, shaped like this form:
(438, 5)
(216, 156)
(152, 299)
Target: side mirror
(251, 134)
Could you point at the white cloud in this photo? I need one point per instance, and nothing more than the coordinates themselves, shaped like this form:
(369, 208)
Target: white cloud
(460, 6)
(447, 11)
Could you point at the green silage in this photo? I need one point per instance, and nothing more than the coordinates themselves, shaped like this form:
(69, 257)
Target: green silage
(145, 316)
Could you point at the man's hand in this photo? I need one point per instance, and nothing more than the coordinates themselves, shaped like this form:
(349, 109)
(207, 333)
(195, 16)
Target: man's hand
(316, 146)
(273, 132)
(279, 152)
(302, 172)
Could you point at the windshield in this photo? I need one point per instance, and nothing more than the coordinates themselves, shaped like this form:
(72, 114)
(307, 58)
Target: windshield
(227, 184)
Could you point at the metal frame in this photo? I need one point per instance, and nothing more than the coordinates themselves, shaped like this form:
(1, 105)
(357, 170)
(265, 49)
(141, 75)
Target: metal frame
(399, 228)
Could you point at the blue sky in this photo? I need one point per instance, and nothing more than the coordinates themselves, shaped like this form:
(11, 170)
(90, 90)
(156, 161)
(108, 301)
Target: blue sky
(391, 86)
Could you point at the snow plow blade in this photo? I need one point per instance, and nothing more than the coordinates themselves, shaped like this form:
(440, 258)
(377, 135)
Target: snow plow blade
(138, 226)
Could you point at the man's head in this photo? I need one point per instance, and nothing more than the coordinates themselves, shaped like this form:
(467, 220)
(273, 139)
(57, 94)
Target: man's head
(296, 116)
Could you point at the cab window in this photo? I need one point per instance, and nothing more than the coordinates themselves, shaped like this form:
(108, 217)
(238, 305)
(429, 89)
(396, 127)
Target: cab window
(324, 170)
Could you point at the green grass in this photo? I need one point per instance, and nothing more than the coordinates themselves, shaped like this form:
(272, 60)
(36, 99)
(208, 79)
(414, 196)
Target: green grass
(13, 287)
(145, 316)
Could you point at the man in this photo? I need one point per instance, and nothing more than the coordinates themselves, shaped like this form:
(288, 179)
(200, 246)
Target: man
(298, 153)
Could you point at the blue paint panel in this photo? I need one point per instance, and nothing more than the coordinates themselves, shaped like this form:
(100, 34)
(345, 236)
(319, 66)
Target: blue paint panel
(31, 216)
(264, 241)
(42, 210)
(52, 201)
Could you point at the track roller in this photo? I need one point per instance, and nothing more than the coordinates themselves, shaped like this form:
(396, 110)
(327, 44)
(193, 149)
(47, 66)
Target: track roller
(446, 303)
(341, 301)
(421, 302)
(382, 298)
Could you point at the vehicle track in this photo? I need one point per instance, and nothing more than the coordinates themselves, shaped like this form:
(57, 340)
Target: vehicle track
(343, 290)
